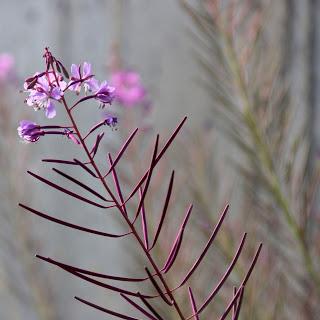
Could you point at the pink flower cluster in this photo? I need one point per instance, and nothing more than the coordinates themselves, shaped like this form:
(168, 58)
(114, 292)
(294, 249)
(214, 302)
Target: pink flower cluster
(48, 88)
(130, 91)
(44, 92)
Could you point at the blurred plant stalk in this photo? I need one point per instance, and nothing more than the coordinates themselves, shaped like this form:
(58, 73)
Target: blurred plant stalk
(243, 80)
(266, 160)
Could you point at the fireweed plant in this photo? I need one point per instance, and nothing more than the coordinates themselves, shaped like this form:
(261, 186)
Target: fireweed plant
(46, 91)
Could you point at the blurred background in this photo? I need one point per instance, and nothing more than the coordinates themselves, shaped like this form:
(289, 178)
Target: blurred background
(247, 75)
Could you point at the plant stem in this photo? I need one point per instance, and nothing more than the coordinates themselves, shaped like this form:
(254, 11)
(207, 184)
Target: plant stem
(133, 229)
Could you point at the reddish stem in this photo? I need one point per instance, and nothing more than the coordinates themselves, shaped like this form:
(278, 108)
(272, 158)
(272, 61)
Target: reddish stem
(118, 205)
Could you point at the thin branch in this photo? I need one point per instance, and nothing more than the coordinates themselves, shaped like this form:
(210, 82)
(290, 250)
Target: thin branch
(144, 224)
(193, 304)
(68, 192)
(234, 309)
(117, 184)
(95, 127)
(161, 153)
(96, 282)
(158, 289)
(71, 225)
(92, 273)
(226, 274)
(122, 150)
(83, 165)
(212, 237)
(113, 313)
(136, 306)
(150, 307)
(82, 185)
(60, 161)
(177, 243)
(238, 308)
(150, 171)
(95, 148)
(253, 263)
(242, 284)
(81, 100)
(232, 302)
(164, 211)
(170, 140)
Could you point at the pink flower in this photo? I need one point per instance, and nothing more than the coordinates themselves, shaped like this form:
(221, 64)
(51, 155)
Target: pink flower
(129, 90)
(111, 121)
(44, 92)
(105, 93)
(82, 75)
(6, 66)
(29, 131)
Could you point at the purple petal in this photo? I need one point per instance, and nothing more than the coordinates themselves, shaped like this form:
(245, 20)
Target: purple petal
(51, 110)
(56, 93)
(105, 93)
(103, 85)
(44, 84)
(75, 71)
(86, 69)
(36, 97)
(93, 84)
(28, 131)
(62, 85)
(75, 86)
(27, 124)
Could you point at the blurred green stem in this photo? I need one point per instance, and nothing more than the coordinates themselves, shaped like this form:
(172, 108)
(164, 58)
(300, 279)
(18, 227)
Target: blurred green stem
(265, 158)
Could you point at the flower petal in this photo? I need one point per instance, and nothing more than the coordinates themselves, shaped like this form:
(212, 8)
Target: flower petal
(62, 85)
(75, 71)
(75, 86)
(56, 93)
(93, 84)
(43, 83)
(50, 110)
(86, 69)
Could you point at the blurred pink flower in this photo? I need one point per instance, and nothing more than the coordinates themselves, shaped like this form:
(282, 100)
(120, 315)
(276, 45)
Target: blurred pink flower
(6, 66)
(129, 89)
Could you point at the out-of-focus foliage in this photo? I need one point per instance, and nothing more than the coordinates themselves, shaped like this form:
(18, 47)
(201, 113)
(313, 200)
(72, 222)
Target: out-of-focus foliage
(245, 71)
(245, 68)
